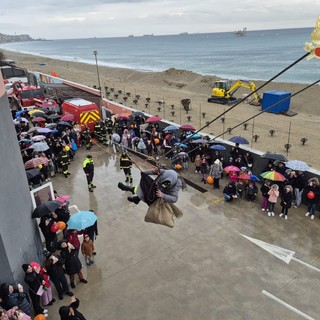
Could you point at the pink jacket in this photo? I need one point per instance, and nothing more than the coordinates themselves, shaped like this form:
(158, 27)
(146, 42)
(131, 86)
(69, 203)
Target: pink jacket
(273, 195)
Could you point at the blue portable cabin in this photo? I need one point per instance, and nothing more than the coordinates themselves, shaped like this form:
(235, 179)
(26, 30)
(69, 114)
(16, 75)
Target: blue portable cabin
(272, 97)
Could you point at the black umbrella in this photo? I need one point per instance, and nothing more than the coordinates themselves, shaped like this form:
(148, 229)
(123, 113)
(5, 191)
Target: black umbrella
(32, 173)
(138, 114)
(45, 208)
(53, 116)
(274, 156)
(64, 124)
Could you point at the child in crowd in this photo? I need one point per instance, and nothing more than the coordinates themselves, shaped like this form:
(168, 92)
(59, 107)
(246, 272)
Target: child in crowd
(87, 249)
(233, 176)
(203, 169)
(272, 199)
(240, 187)
(312, 196)
(286, 201)
(251, 191)
(264, 192)
(197, 163)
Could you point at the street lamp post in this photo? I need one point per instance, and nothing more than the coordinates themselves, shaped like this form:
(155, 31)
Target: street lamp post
(99, 83)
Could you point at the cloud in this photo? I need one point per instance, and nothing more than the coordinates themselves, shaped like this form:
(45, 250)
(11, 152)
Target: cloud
(54, 19)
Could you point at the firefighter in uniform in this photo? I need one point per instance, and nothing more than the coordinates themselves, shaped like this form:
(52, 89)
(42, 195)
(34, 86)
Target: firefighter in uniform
(87, 137)
(88, 168)
(126, 165)
(64, 161)
(109, 125)
(97, 131)
(104, 134)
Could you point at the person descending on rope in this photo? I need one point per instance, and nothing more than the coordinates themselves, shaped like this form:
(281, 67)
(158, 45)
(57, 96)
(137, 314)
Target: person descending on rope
(166, 186)
(126, 164)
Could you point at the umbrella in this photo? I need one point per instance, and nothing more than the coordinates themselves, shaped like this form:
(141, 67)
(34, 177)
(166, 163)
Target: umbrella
(45, 208)
(123, 116)
(81, 220)
(218, 147)
(53, 116)
(273, 176)
(45, 110)
(274, 156)
(231, 169)
(246, 176)
(187, 127)
(199, 141)
(31, 112)
(20, 119)
(115, 137)
(38, 119)
(181, 145)
(38, 138)
(194, 136)
(64, 124)
(33, 129)
(170, 128)
(39, 113)
(34, 162)
(32, 173)
(182, 154)
(153, 119)
(19, 113)
(68, 117)
(138, 114)
(63, 198)
(239, 139)
(297, 165)
(24, 141)
(44, 130)
(39, 146)
(51, 125)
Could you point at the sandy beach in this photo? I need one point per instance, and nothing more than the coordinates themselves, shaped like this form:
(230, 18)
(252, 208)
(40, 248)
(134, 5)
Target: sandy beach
(171, 86)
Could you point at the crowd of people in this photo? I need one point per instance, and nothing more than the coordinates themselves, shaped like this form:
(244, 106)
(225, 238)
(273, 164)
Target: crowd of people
(54, 152)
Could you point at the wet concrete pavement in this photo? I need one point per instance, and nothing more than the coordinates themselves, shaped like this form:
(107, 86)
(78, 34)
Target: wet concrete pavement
(203, 268)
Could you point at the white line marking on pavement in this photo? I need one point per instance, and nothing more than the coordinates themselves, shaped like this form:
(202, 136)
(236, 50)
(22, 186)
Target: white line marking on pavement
(306, 264)
(295, 310)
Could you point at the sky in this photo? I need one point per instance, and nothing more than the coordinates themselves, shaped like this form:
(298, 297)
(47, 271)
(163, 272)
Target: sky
(67, 19)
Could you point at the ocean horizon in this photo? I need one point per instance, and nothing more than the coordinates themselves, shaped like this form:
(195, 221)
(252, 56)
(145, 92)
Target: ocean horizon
(258, 55)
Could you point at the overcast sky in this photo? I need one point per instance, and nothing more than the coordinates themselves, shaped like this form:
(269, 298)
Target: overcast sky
(65, 19)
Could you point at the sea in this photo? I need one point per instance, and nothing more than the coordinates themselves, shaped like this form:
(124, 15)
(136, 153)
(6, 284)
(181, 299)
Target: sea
(259, 55)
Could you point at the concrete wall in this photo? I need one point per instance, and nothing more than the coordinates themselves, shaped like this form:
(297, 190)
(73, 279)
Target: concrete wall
(19, 236)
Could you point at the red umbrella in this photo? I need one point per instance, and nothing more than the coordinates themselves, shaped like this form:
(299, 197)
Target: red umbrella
(38, 119)
(231, 169)
(245, 176)
(33, 163)
(68, 117)
(123, 116)
(154, 119)
(187, 127)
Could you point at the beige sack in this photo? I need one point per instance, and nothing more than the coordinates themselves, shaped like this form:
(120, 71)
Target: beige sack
(160, 212)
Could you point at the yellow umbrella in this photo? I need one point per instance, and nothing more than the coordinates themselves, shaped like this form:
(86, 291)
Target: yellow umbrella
(31, 112)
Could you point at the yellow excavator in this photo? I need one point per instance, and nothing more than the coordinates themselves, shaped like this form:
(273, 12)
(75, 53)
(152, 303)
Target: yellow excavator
(223, 91)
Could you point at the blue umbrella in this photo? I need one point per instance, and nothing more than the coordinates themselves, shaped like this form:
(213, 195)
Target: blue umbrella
(297, 165)
(44, 130)
(239, 139)
(254, 178)
(19, 113)
(181, 145)
(218, 147)
(199, 141)
(170, 128)
(81, 220)
(194, 136)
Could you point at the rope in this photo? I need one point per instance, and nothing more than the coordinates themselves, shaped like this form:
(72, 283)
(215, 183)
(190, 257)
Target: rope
(243, 99)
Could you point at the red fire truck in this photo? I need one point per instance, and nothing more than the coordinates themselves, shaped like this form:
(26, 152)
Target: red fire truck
(85, 112)
(23, 95)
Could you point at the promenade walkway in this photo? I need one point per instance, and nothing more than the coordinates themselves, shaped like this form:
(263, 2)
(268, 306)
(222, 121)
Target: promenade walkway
(203, 268)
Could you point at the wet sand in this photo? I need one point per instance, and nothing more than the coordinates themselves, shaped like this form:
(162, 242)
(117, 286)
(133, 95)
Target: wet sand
(171, 86)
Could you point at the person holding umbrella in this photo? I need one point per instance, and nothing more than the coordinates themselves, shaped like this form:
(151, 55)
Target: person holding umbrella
(50, 237)
(88, 168)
